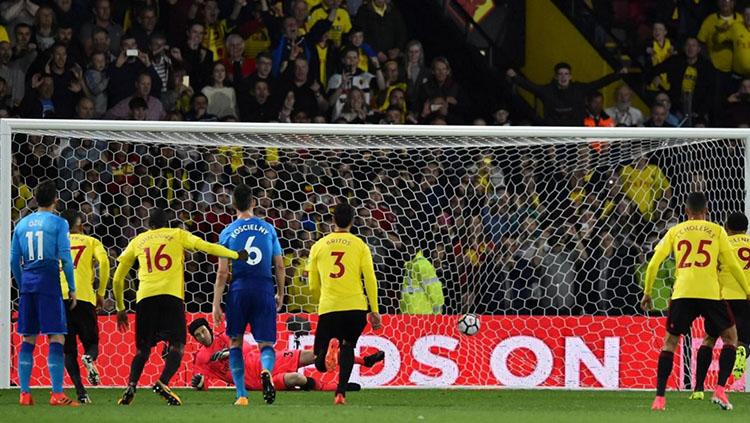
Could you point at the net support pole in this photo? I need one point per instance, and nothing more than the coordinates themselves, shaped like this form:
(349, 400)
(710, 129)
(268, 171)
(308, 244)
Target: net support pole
(5, 224)
(747, 209)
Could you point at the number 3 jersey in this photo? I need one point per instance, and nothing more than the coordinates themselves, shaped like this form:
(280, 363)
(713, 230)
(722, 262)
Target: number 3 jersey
(338, 263)
(259, 239)
(699, 248)
(731, 289)
(161, 261)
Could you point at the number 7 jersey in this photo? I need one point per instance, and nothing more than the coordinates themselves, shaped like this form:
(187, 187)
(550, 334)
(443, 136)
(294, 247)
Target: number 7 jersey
(699, 247)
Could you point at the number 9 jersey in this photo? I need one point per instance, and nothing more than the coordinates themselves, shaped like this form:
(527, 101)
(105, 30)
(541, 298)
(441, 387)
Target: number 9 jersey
(731, 289)
(699, 247)
(261, 242)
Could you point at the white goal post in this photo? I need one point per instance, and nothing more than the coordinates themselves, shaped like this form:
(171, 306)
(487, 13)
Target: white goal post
(342, 138)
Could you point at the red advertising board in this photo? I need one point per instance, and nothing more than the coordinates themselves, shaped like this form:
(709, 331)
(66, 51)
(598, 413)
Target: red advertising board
(509, 351)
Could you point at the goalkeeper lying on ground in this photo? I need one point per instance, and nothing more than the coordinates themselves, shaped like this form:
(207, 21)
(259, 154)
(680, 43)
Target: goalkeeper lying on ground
(212, 362)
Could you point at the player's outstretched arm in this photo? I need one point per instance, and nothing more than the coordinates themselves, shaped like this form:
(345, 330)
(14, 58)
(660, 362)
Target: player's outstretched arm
(280, 273)
(371, 287)
(661, 252)
(63, 251)
(313, 276)
(192, 242)
(15, 260)
(222, 274)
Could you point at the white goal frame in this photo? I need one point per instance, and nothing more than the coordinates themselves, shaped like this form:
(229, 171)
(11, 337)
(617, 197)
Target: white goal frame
(462, 134)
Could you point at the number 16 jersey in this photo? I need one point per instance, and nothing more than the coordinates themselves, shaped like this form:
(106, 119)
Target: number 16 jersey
(261, 242)
(699, 247)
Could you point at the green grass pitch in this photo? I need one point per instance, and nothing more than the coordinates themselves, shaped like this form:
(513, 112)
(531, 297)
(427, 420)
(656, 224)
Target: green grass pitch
(381, 406)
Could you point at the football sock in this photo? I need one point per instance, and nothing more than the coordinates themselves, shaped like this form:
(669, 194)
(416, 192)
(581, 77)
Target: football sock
(359, 360)
(320, 355)
(346, 364)
(237, 367)
(663, 370)
(703, 362)
(726, 363)
(136, 366)
(25, 364)
(74, 371)
(56, 364)
(309, 385)
(171, 365)
(93, 351)
(267, 358)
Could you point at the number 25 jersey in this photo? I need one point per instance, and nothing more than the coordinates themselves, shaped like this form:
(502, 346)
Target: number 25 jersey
(699, 247)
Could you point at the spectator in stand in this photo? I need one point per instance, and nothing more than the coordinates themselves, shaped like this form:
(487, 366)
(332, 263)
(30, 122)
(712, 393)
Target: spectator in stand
(258, 107)
(85, 109)
(100, 44)
(658, 50)
(719, 53)
(137, 109)
(441, 84)
(384, 28)
(355, 109)
(222, 100)
(351, 77)
(97, 81)
(238, 66)
(291, 44)
(18, 11)
(24, 50)
(324, 60)
(357, 39)
(672, 118)
(160, 59)
(563, 98)
(65, 37)
(338, 16)
(44, 28)
(199, 110)
(216, 29)
(155, 110)
(307, 95)
(595, 114)
(417, 74)
(737, 35)
(194, 57)
(69, 83)
(124, 72)
(691, 79)
(623, 112)
(71, 13)
(256, 35)
(13, 76)
(737, 113)
(393, 81)
(6, 100)
(37, 103)
(645, 184)
(102, 19)
(263, 68)
(145, 25)
(658, 117)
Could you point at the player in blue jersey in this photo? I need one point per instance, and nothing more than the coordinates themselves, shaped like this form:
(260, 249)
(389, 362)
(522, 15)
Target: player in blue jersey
(251, 293)
(39, 244)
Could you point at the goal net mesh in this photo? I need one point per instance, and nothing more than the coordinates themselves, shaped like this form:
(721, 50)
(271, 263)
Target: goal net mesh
(545, 239)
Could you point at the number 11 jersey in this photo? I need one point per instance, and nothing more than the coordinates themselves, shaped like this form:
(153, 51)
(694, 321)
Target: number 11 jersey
(261, 242)
(699, 247)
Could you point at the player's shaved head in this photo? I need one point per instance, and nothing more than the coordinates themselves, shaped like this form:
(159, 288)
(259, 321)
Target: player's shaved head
(343, 215)
(157, 218)
(696, 202)
(737, 223)
(242, 197)
(46, 193)
(73, 218)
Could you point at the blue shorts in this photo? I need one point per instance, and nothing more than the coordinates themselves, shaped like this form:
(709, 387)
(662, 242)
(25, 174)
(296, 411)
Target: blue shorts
(256, 309)
(39, 313)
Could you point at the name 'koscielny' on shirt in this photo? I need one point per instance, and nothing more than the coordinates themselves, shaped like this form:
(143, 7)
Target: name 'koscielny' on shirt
(249, 227)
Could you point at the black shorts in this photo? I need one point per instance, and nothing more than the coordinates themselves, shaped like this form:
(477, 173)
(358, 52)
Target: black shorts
(160, 318)
(83, 324)
(683, 311)
(342, 325)
(741, 311)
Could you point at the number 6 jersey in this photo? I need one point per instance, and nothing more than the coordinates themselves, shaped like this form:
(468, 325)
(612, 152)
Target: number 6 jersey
(259, 239)
(699, 248)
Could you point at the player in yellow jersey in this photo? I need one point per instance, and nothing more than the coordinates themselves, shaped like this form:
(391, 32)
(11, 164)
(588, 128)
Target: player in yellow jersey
(734, 292)
(160, 307)
(338, 263)
(699, 248)
(82, 320)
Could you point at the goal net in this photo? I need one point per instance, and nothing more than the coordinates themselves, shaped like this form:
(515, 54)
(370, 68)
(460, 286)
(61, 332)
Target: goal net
(544, 233)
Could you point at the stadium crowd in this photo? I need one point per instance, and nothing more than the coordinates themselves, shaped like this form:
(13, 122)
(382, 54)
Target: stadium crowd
(547, 230)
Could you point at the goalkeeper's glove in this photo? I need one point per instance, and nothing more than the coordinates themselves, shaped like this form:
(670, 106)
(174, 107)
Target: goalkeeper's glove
(220, 355)
(198, 381)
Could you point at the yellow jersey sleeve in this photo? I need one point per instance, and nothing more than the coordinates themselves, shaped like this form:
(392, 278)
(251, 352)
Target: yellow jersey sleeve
(368, 273)
(193, 243)
(313, 276)
(102, 260)
(661, 252)
(730, 260)
(126, 260)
